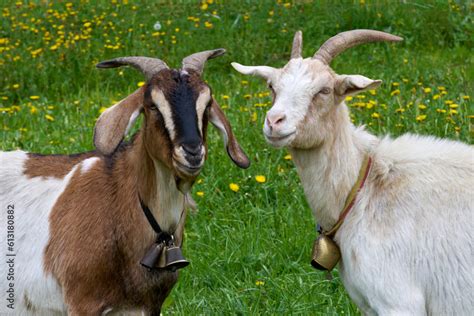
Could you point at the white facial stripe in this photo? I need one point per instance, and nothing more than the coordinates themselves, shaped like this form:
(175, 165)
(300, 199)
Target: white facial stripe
(165, 109)
(201, 104)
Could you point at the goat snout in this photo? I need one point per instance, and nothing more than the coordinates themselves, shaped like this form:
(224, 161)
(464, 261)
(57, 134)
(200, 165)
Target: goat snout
(275, 121)
(192, 150)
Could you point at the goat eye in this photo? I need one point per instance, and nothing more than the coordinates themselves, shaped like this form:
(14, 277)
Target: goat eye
(325, 90)
(270, 87)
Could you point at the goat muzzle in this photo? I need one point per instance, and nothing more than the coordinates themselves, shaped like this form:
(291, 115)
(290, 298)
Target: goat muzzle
(326, 253)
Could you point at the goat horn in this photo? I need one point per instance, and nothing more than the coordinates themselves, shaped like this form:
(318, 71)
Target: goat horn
(297, 45)
(196, 61)
(342, 41)
(148, 66)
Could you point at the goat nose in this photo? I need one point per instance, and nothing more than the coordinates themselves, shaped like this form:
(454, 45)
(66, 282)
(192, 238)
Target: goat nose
(192, 149)
(275, 120)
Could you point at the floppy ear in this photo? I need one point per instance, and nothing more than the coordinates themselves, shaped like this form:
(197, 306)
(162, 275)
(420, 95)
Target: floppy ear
(114, 123)
(236, 153)
(353, 84)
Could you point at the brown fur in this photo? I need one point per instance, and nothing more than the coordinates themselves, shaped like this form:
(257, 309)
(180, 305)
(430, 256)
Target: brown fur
(98, 230)
(56, 166)
(96, 260)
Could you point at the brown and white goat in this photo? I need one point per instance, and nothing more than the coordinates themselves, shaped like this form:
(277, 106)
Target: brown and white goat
(78, 231)
(407, 246)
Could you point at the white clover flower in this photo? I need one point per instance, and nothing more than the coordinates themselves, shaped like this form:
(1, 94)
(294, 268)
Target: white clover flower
(157, 26)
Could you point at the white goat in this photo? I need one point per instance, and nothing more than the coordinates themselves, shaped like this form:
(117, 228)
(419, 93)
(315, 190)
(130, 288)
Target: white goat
(407, 244)
(76, 225)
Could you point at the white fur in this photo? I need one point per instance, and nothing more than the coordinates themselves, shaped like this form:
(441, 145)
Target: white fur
(408, 244)
(165, 109)
(88, 163)
(407, 249)
(167, 198)
(33, 200)
(201, 104)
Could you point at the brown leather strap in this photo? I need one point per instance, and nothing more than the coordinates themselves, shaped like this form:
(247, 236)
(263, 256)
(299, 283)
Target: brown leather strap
(351, 198)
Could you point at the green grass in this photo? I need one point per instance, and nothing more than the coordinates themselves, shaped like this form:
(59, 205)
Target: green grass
(250, 249)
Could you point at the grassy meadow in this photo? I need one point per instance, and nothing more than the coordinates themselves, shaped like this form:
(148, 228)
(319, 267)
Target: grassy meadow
(250, 241)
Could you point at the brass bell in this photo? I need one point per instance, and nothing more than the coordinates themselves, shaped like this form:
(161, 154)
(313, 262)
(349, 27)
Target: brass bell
(326, 253)
(153, 254)
(172, 258)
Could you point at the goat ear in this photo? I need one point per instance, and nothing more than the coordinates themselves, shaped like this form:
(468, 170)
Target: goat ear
(114, 123)
(236, 153)
(265, 72)
(353, 84)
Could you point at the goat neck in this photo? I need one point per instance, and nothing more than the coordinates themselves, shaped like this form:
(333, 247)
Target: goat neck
(328, 171)
(156, 185)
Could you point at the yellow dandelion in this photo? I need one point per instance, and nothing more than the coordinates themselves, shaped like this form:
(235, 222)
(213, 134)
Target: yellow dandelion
(349, 98)
(448, 102)
(200, 193)
(260, 179)
(204, 6)
(436, 97)
(395, 92)
(395, 84)
(33, 110)
(421, 118)
(199, 181)
(102, 109)
(466, 97)
(254, 117)
(421, 106)
(49, 118)
(247, 96)
(441, 110)
(426, 90)
(234, 187)
(208, 25)
(287, 157)
(16, 86)
(453, 105)
(259, 283)
(141, 84)
(34, 97)
(225, 97)
(453, 111)
(373, 92)
(375, 115)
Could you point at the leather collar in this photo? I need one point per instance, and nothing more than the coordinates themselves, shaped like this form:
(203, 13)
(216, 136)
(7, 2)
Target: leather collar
(351, 198)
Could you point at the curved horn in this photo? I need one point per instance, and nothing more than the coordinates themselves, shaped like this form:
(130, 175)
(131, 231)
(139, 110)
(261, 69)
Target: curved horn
(297, 45)
(147, 65)
(196, 61)
(342, 41)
